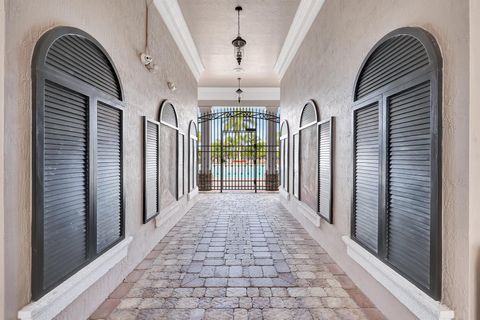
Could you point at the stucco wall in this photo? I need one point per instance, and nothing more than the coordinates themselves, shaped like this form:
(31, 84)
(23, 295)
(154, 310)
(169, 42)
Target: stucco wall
(324, 69)
(474, 156)
(119, 25)
(2, 109)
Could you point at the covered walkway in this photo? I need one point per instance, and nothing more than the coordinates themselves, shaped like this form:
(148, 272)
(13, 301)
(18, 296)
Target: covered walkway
(237, 256)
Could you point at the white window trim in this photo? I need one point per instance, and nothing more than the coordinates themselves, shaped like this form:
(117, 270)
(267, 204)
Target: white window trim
(417, 301)
(54, 302)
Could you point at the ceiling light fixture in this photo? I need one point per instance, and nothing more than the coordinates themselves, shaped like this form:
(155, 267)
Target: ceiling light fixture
(238, 70)
(239, 91)
(238, 42)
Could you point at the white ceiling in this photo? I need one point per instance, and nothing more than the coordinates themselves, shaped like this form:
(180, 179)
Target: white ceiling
(213, 25)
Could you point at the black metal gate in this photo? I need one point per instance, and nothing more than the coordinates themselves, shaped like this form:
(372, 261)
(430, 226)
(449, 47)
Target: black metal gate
(238, 150)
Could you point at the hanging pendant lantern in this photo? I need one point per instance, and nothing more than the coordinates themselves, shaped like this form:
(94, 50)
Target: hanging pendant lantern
(239, 91)
(239, 43)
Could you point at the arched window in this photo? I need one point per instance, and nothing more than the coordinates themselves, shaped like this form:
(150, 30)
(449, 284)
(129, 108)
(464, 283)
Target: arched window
(284, 159)
(171, 156)
(307, 156)
(397, 172)
(192, 156)
(78, 210)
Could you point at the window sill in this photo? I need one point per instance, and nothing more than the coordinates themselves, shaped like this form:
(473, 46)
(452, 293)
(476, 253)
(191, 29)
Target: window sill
(417, 301)
(54, 302)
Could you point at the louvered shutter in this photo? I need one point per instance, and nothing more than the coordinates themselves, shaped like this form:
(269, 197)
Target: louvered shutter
(82, 59)
(309, 114)
(296, 159)
(409, 182)
(109, 175)
(393, 59)
(151, 175)
(65, 212)
(325, 169)
(181, 165)
(367, 177)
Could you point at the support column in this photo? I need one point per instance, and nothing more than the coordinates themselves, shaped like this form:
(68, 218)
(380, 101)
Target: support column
(205, 172)
(271, 166)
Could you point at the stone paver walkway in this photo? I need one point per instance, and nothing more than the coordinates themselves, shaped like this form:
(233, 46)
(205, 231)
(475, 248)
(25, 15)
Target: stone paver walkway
(237, 256)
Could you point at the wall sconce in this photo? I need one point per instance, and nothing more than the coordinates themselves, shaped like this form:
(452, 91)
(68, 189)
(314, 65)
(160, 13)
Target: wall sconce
(171, 86)
(147, 61)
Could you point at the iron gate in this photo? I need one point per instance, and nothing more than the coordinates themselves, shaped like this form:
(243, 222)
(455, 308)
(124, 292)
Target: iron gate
(239, 149)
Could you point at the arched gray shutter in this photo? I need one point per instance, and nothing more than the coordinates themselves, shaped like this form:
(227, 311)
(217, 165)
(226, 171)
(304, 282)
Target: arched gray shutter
(78, 178)
(397, 191)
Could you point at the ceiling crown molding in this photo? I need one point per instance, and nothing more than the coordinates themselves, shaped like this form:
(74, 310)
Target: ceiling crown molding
(173, 17)
(249, 93)
(251, 96)
(306, 13)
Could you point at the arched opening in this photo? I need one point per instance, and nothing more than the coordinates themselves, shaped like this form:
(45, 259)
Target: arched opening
(307, 156)
(284, 158)
(78, 210)
(171, 156)
(397, 156)
(192, 156)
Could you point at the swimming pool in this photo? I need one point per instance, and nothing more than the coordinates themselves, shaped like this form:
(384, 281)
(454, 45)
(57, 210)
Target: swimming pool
(238, 171)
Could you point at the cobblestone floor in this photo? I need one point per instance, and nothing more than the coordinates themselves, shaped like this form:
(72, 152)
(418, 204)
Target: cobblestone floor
(237, 256)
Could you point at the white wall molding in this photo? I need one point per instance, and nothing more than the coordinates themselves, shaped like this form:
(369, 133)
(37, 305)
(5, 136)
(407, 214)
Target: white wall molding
(192, 194)
(166, 214)
(249, 93)
(305, 210)
(306, 13)
(417, 301)
(173, 17)
(54, 302)
(284, 194)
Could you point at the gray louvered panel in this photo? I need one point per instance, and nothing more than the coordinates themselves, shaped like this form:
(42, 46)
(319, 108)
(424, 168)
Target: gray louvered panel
(309, 114)
(181, 165)
(282, 163)
(168, 115)
(366, 176)
(65, 182)
(296, 159)
(392, 60)
(82, 59)
(151, 170)
(324, 169)
(109, 174)
(409, 183)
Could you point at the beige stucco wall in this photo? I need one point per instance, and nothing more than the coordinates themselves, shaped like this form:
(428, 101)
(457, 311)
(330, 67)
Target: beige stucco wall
(2, 108)
(324, 69)
(119, 25)
(474, 156)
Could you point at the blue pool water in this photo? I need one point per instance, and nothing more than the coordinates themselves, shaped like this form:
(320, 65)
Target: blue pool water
(238, 171)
